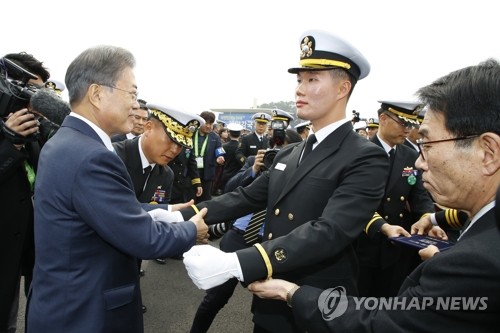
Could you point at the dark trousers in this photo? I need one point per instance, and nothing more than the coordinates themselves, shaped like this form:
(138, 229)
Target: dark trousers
(217, 297)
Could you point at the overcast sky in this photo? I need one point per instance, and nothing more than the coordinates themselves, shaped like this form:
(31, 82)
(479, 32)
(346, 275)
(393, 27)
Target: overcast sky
(204, 54)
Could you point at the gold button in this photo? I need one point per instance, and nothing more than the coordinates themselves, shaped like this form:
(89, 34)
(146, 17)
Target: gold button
(401, 215)
(402, 198)
(270, 236)
(290, 216)
(277, 211)
(388, 199)
(386, 217)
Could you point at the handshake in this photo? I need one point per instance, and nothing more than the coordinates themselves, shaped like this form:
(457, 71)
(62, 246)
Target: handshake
(163, 215)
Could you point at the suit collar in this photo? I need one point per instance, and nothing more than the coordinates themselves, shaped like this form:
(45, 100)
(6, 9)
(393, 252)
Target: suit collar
(82, 126)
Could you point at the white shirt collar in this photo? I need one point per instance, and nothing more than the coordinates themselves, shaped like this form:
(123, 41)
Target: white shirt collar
(386, 147)
(325, 131)
(144, 160)
(104, 137)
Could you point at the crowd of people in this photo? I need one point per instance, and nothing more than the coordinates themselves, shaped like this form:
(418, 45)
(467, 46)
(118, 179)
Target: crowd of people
(313, 219)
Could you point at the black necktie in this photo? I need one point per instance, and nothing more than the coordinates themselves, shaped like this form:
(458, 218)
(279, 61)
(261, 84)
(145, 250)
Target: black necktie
(311, 140)
(392, 154)
(147, 171)
(251, 235)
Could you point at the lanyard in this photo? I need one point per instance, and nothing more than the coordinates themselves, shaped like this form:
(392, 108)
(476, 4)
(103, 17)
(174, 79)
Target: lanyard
(202, 147)
(30, 172)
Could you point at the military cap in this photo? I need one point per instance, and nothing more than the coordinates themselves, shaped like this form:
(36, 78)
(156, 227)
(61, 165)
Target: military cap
(405, 110)
(321, 50)
(278, 114)
(179, 125)
(360, 125)
(261, 117)
(303, 124)
(55, 85)
(234, 127)
(372, 123)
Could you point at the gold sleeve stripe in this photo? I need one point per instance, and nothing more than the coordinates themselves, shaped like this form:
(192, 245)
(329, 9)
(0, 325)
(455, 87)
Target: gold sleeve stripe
(424, 215)
(196, 210)
(375, 217)
(266, 260)
(195, 181)
(452, 218)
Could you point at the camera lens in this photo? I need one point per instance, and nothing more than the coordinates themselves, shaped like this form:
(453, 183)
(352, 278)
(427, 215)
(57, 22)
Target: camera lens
(269, 158)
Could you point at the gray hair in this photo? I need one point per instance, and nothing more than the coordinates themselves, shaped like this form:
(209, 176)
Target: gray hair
(102, 64)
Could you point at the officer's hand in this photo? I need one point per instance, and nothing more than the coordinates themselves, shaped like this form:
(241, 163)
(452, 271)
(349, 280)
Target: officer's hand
(428, 252)
(393, 230)
(199, 191)
(201, 227)
(422, 226)
(437, 232)
(180, 206)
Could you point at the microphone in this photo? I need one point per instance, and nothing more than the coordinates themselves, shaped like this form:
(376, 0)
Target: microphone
(49, 104)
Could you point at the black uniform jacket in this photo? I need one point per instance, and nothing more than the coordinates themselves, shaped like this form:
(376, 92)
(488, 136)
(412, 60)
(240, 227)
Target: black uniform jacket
(159, 185)
(405, 201)
(314, 213)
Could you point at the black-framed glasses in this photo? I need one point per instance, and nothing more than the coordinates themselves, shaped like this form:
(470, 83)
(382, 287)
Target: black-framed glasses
(403, 124)
(134, 94)
(423, 145)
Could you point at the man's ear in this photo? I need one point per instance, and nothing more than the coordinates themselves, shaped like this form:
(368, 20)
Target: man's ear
(93, 94)
(344, 88)
(490, 144)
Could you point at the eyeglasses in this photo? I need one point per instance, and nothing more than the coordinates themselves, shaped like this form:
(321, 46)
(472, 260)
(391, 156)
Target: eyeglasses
(423, 146)
(134, 94)
(404, 125)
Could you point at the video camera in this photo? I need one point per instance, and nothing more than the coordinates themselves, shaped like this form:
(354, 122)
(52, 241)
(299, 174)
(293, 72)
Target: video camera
(16, 94)
(355, 117)
(276, 142)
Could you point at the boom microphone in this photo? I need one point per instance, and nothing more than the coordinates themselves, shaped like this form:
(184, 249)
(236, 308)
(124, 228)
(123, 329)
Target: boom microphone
(49, 104)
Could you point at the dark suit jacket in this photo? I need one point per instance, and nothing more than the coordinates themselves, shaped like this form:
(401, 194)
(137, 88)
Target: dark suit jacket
(470, 269)
(159, 186)
(249, 145)
(89, 230)
(403, 204)
(16, 226)
(319, 208)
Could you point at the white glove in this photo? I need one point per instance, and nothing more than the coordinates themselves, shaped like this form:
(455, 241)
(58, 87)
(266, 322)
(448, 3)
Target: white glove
(163, 215)
(209, 267)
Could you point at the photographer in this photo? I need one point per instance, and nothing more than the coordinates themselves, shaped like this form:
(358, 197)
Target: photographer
(17, 177)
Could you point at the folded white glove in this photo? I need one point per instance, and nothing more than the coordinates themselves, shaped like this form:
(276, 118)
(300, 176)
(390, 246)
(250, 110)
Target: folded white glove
(163, 215)
(209, 267)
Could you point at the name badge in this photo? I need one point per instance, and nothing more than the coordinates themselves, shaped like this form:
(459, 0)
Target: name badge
(199, 162)
(253, 146)
(280, 166)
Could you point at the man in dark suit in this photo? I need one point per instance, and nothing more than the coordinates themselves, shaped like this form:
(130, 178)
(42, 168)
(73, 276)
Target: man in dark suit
(460, 160)
(19, 159)
(316, 204)
(208, 154)
(256, 140)
(139, 117)
(384, 265)
(89, 226)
